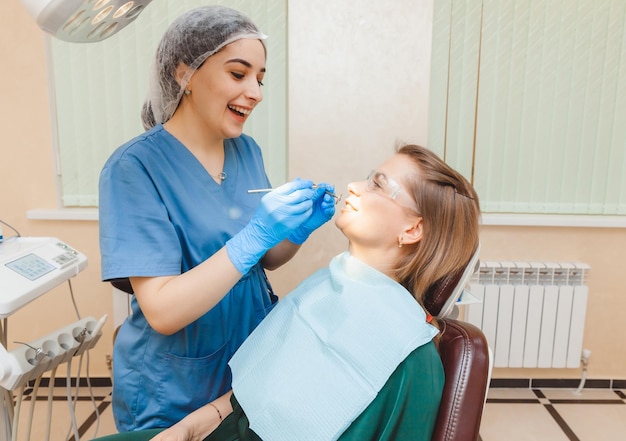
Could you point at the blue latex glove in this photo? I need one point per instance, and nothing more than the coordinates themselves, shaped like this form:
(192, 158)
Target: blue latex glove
(280, 211)
(323, 211)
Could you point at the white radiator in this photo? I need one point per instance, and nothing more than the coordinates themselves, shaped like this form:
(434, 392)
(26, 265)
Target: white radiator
(533, 314)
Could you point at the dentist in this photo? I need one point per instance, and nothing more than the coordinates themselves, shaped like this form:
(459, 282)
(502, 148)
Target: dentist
(176, 220)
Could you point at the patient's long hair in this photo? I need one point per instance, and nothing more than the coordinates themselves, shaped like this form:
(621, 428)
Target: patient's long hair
(450, 211)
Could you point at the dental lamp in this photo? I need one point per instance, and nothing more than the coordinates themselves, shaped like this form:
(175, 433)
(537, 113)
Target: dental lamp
(84, 21)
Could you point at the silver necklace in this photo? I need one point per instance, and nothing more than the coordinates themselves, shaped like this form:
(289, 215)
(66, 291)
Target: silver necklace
(221, 176)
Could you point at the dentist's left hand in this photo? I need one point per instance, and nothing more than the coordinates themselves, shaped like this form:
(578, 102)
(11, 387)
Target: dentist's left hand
(323, 211)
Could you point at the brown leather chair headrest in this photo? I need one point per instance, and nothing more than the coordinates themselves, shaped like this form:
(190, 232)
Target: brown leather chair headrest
(441, 297)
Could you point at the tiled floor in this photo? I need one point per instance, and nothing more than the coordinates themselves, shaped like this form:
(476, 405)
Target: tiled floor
(514, 414)
(554, 415)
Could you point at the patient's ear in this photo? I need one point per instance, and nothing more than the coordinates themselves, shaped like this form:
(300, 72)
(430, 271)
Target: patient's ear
(413, 233)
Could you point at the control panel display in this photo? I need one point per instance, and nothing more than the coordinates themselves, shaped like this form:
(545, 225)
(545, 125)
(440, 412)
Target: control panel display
(30, 266)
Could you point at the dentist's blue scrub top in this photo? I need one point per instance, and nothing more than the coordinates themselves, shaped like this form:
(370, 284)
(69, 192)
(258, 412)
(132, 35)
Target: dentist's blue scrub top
(162, 214)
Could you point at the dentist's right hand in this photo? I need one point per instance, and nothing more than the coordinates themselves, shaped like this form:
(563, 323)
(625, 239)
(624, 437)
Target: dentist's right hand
(280, 211)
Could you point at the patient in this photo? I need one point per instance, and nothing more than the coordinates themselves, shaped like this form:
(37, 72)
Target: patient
(350, 353)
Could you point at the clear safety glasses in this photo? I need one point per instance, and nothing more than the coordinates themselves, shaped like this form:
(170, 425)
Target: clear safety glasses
(378, 182)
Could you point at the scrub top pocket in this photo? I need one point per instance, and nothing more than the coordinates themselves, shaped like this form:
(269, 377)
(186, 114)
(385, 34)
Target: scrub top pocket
(175, 370)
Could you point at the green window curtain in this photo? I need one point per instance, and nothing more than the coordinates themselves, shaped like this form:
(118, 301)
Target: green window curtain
(99, 88)
(528, 100)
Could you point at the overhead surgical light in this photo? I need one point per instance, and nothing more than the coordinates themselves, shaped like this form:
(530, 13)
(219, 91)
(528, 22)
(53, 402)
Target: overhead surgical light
(84, 21)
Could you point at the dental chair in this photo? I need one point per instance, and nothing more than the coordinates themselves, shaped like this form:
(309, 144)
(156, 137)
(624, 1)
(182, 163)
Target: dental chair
(466, 357)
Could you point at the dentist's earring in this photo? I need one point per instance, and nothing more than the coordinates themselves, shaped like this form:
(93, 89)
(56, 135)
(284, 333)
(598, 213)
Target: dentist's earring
(400, 242)
(187, 92)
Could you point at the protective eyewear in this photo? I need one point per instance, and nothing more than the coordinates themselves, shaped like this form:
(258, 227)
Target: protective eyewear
(378, 182)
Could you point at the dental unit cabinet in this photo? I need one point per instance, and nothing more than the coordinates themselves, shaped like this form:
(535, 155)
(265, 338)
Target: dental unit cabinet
(29, 268)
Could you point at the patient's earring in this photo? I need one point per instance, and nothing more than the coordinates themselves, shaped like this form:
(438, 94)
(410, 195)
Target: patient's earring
(400, 242)
(187, 92)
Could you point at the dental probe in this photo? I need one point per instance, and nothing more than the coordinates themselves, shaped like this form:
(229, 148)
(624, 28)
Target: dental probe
(328, 192)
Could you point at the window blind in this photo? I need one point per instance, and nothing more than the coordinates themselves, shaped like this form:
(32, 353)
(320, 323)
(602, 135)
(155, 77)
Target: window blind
(528, 100)
(99, 88)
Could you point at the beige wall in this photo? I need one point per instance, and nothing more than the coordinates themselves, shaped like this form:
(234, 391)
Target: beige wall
(359, 75)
